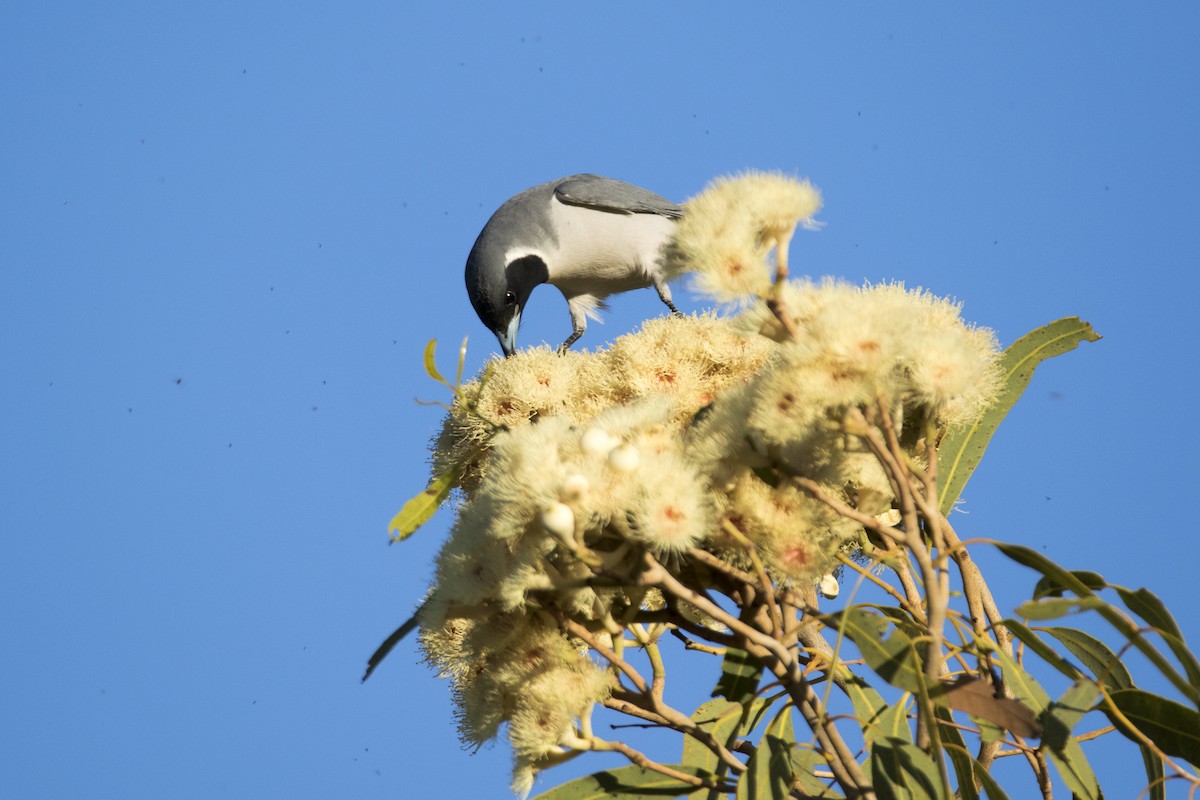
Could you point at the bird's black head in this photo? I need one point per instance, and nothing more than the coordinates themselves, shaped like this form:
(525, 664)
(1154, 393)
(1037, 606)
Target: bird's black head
(499, 286)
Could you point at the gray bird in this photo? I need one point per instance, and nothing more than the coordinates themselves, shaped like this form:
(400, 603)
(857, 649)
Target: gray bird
(586, 235)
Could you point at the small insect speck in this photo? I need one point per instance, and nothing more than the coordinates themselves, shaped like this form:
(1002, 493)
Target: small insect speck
(178, 381)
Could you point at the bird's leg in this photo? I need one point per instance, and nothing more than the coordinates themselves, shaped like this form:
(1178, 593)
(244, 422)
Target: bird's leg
(578, 311)
(664, 294)
(565, 346)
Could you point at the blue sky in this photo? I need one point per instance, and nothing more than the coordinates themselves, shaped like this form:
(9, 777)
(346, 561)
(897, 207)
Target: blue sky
(229, 230)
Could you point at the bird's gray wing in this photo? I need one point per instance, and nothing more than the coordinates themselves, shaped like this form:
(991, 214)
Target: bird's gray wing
(618, 197)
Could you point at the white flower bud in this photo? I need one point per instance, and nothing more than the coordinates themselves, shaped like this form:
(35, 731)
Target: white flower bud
(829, 586)
(575, 487)
(624, 458)
(598, 442)
(559, 520)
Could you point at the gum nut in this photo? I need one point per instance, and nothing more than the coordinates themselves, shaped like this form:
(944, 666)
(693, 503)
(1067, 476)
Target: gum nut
(575, 487)
(559, 520)
(624, 458)
(596, 442)
(829, 586)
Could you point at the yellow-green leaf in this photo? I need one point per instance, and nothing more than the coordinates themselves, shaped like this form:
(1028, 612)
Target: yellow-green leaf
(431, 363)
(417, 511)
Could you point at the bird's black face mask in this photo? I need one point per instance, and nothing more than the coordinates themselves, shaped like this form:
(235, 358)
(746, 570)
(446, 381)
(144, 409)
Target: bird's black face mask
(521, 276)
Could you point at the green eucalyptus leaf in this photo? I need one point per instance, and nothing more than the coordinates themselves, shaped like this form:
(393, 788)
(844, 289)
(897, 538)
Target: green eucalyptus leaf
(1066, 756)
(768, 773)
(720, 717)
(740, 676)
(1141, 602)
(869, 705)
(1055, 607)
(962, 448)
(1095, 655)
(1035, 643)
(956, 750)
(902, 771)
(1147, 606)
(624, 782)
(894, 658)
(1156, 788)
(1048, 587)
(1173, 727)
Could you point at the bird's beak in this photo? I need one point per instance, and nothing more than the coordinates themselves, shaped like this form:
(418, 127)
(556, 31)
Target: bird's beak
(508, 337)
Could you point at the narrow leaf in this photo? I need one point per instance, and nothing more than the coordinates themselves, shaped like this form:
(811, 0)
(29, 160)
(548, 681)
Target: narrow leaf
(1147, 606)
(740, 675)
(1069, 759)
(902, 771)
(1140, 600)
(1096, 656)
(1059, 722)
(1048, 654)
(960, 757)
(720, 717)
(629, 782)
(1047, 587)
(431, 363)
(1031, 558)
(391, 641)
(1156, 788)
(1175, 728)
(768, 773)
(1055, 607)
(869, 705)
(417, 511)
(962, 448)
(893, 723)
(893, 658)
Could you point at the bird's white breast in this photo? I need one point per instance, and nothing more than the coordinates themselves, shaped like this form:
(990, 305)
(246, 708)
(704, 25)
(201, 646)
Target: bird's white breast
(601, 253)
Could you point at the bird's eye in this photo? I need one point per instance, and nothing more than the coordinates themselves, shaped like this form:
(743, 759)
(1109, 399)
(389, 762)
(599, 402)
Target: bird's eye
(509, 298)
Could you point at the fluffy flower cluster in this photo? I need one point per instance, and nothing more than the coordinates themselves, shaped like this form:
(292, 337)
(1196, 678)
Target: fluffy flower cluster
(728, 231)
(687, 434)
